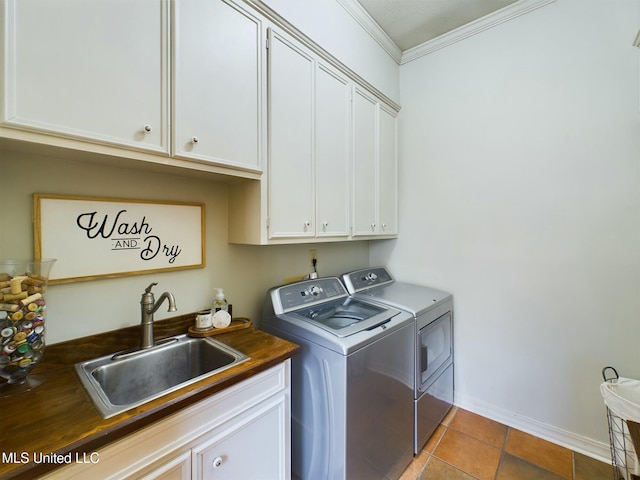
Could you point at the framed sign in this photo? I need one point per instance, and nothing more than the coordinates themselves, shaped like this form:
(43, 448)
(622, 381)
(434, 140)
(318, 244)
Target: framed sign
(112, 237)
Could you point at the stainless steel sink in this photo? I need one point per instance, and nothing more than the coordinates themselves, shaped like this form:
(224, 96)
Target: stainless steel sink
(119, 382)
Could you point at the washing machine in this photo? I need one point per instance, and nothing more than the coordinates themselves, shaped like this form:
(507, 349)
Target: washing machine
(351, 382)
(432, 311)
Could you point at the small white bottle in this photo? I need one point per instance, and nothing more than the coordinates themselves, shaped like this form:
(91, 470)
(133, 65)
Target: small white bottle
(220, 302)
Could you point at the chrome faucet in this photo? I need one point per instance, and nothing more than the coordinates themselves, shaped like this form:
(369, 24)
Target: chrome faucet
(148, 308)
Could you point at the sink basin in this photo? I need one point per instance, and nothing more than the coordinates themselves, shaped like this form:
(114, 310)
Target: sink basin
(119, 382)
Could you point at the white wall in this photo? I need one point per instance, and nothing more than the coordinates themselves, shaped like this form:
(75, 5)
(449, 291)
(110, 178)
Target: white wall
(84, 308)
(519, 151)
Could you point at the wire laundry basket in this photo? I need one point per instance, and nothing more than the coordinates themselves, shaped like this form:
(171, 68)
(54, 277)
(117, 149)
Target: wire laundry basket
(622, 399)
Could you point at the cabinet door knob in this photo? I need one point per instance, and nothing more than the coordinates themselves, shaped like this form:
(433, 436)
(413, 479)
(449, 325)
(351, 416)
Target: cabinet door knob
(325, 225)
(195, 140)
(147, 129)
(217, 462)
(307, 224)
(373, 227)
(384, 226)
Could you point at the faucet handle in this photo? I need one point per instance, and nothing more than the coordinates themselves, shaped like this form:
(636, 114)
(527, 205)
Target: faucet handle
(148, 289)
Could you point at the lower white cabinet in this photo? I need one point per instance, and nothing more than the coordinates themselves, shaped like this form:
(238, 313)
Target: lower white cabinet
(238, 450)
(178, 468)
(242, 432)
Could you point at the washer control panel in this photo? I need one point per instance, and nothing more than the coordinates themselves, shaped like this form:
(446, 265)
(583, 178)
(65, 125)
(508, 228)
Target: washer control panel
(309, 292)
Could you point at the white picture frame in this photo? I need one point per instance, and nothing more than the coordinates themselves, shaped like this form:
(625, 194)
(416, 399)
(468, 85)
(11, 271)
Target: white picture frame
(97, 237)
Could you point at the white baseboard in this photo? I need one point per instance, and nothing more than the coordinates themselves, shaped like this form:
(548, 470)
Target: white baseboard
(578, 443)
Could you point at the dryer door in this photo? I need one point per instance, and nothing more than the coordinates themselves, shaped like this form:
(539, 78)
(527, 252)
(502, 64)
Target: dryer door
(435, 349)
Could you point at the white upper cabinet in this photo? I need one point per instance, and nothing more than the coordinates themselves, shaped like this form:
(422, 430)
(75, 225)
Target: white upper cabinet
(308, 174)
(95, 70)
(218, 83)
(333, 97)
(221, 86)
(364, 164)
(375, 168)
(290, 174)
(331, 172)
(387, 187)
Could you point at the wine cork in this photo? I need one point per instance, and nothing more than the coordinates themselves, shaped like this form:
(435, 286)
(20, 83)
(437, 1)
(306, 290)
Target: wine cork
(16, 284)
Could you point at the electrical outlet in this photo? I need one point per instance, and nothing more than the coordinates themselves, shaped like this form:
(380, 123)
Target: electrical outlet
(313, 255)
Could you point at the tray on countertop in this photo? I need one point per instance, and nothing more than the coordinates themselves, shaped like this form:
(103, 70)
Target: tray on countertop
(236, 324)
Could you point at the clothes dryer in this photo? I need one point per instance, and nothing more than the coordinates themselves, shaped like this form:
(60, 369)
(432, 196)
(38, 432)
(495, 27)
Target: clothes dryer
(432, 311)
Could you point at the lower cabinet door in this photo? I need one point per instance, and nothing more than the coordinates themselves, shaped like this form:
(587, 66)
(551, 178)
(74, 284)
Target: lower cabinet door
(251, 446)
(177, 469)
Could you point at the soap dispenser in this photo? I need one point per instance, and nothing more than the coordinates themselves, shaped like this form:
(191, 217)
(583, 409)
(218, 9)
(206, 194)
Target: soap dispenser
(220, 302)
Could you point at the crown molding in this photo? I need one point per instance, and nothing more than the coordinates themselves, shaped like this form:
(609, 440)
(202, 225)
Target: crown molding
(370, 26)
(362, 17)
(489, 21)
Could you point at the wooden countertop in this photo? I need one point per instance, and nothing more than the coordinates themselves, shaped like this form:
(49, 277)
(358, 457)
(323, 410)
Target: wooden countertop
(58, 416)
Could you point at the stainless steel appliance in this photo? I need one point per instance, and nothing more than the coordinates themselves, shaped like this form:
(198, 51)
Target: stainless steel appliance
(433, 313)
(352, 382)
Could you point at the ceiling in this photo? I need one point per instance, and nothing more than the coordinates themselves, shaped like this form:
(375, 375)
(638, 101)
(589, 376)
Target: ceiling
(412, 22)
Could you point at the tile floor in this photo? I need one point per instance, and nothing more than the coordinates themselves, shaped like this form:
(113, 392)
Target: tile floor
(467, 446)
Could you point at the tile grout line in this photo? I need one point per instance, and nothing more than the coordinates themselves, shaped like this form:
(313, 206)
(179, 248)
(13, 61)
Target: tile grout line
(430, 454)
(502, 450)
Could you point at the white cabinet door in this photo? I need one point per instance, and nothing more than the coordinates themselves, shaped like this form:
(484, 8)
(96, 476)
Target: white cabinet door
(375, 170)
(388, 173)
(364, 164)
(333, 96)
(253, 446)
(290, 172)
(94, 70)
(177, 469)
(218, 83)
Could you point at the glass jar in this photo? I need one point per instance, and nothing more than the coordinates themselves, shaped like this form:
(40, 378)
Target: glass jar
(23, 307)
